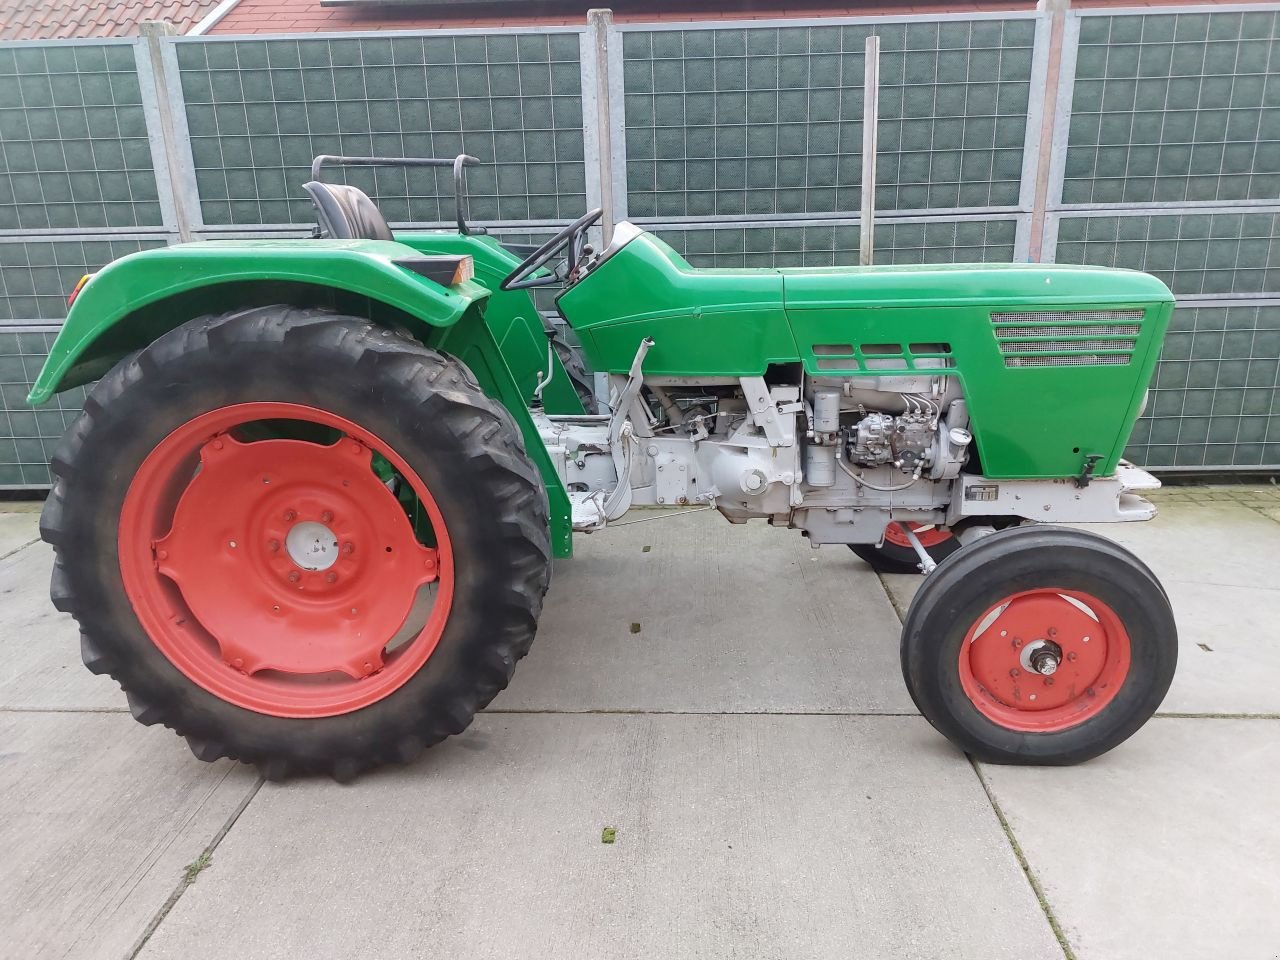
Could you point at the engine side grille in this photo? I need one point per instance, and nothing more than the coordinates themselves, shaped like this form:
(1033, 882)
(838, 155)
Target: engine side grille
(1067, 338)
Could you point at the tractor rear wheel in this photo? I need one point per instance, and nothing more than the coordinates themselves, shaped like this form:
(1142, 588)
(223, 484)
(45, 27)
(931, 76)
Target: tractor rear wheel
(896, 555)
(1039, 645)
(299, 540)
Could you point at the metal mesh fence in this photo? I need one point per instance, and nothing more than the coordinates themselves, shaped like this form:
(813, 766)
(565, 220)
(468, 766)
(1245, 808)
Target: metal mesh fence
(739, 144)
(37, 275)
(1216, 393)
(28, 436)
(74, 146)
(258, 111)
(1224, 254)
(1175, 108)
(767, 120)
(821, 245)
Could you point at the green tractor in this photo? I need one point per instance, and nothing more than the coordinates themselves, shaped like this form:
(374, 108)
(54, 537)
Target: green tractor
(308, 516)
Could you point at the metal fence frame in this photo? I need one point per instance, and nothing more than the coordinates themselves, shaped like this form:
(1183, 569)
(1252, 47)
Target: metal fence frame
(604, 138)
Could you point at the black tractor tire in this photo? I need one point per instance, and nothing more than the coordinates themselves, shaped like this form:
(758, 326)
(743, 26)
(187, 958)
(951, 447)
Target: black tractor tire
(1038, 559)
(427, 407)
(894, 558)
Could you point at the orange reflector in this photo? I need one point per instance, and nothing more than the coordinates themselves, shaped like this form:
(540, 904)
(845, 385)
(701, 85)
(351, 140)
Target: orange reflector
(465, 270)
(71, 298)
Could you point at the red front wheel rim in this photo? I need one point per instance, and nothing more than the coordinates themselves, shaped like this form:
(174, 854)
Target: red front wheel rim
(1043, 661)
(929, 535)
(282, 574)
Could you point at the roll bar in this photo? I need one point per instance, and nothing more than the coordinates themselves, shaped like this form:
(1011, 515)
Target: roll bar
(459, 164)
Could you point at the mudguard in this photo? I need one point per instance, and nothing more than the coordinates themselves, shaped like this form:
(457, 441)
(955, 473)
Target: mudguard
(134, 300)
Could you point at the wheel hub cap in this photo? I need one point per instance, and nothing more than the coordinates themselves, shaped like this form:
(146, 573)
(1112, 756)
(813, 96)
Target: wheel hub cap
(1044, 660)
(312, 546)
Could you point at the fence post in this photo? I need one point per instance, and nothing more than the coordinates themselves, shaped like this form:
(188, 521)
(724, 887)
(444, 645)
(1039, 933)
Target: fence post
(1057, 10)
(164, 146)
(597, 133)
(870, 124)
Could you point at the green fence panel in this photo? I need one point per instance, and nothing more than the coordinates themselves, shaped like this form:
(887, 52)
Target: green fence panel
(1215, 399)
(1175, 108)
(29, 436)
(942, 241)
(258, 111)
(36, 275)
(74, 148)
(767, 120)
(1196, 254)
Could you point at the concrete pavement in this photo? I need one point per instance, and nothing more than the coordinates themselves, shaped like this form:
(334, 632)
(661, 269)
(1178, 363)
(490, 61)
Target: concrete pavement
(773, 791)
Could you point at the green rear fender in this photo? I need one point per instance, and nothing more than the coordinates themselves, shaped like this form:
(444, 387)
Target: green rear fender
(132, 301)
(136, 299)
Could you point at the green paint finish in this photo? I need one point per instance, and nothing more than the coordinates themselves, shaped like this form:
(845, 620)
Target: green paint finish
(1044, 392)
(724, 322)
(1029, 421)
(137, 298)
(128, 296)
(474, 345)
(510, 314)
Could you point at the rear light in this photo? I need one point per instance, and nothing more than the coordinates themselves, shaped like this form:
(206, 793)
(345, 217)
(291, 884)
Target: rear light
(75, 292)
(445, 270)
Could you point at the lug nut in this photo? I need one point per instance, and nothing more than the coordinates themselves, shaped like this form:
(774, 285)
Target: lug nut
(1048, 681)
(1072, 655)
(330, 577)
(348, 548)
(326, 517)
(290, 515)
(273, 545)
(1018, 641)
(1015, 672)
(294, 576)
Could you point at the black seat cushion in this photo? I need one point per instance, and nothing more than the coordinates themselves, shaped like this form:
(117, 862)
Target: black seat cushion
(347, 213)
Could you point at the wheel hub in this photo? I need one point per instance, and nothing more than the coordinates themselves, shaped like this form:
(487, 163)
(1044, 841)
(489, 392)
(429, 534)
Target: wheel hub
(1042, 657)
(294, 557)
(1044, 660)
(311, 545)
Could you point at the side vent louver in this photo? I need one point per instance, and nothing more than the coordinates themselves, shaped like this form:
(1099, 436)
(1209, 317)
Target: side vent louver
(1067, 338)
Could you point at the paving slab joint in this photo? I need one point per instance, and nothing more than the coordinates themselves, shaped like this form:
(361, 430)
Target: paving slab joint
(19, 549)
(189, 875)
(1032, 879)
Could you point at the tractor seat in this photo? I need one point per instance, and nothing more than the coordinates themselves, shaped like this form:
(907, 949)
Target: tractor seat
(347, 213)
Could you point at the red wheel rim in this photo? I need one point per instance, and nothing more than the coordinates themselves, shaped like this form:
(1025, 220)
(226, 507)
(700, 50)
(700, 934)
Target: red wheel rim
(282, 575)
(1003, 648)
(929, 535)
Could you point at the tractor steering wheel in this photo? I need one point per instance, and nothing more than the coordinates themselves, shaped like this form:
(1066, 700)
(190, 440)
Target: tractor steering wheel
(574, 236)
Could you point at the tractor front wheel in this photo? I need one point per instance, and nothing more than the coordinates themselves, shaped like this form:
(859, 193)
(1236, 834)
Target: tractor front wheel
(299, 540)
(1039, 645)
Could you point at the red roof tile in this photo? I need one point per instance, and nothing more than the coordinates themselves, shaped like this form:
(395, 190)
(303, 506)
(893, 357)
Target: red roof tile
(64, 19)
(308, 16)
